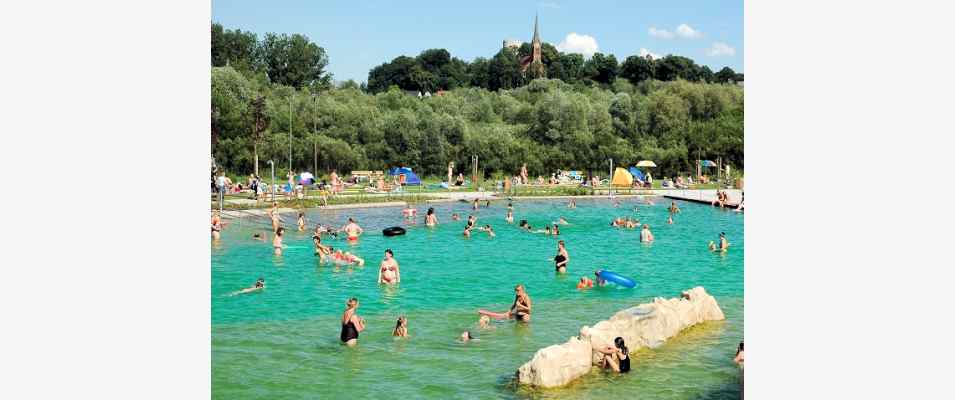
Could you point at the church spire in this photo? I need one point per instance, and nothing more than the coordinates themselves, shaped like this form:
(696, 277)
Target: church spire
(537, 36)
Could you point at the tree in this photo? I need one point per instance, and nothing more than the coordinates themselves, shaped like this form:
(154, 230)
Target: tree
(637, 69)
(295, 61)
(504, 71)
(601, 68)
(725, 75)
(235, 48)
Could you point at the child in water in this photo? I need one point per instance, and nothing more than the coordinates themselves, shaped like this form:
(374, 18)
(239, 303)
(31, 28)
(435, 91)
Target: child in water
(401, 327)
(585, 283)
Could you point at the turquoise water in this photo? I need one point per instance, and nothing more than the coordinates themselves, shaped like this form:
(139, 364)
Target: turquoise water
(283, 342)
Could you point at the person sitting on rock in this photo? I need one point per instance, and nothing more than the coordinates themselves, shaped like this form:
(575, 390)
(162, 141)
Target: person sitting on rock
(616, 357)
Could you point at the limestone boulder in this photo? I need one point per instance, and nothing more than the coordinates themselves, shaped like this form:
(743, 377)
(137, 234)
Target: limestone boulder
(645, 325)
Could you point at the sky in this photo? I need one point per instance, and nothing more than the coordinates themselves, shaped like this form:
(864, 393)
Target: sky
(361, 34)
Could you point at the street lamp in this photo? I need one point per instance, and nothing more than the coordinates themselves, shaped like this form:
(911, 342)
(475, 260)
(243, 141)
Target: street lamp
(272, 189)
(290, 132)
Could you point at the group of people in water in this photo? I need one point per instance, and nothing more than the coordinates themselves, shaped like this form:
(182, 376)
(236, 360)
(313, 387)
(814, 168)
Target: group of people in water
(614, 357)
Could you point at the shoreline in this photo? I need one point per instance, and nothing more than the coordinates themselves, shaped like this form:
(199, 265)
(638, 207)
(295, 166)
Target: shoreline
(461, 196)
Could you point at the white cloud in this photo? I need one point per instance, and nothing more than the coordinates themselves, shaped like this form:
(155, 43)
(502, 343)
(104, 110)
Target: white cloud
(720, 49)
(574, 43)
(688, 32)
(644, 52)
(660, 33)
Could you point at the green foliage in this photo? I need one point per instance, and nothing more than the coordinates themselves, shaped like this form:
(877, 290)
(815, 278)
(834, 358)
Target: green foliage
(663, 110)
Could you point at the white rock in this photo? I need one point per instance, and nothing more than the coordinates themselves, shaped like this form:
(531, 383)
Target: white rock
(646, 325)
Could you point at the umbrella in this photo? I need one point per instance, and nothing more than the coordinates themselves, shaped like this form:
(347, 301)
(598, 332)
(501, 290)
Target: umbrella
(646, 163)
(708, 163)
(306, 178)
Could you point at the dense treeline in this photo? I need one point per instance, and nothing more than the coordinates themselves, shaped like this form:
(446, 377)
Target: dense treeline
(576, 122)
(435, 69)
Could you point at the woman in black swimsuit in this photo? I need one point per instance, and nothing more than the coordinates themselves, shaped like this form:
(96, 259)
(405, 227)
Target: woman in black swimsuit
(616, 357)
(520, 309)
(560, 261)
(352, 324)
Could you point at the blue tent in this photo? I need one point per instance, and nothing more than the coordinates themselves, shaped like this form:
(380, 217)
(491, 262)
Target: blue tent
(410, 177)
(637, 174)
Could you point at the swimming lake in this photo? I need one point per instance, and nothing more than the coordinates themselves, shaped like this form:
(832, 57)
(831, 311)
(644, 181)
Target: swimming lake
(283, 342)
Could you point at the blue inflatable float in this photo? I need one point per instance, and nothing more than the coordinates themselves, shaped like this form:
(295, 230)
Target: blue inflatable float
(621, 280)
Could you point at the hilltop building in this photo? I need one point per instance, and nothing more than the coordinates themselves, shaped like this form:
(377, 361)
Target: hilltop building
(534, 63)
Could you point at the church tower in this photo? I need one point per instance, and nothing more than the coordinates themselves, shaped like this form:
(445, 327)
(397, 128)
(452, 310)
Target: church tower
(537, 63)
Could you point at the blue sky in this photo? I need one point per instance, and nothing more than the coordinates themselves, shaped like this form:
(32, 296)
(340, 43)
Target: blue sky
(361, 34)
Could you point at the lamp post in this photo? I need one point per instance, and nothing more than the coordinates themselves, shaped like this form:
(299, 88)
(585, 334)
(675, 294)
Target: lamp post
(272, 189)
(290, 132)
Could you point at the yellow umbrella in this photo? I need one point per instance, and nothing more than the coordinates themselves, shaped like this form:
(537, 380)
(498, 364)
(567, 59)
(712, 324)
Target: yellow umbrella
(622, 178)
(646, 163)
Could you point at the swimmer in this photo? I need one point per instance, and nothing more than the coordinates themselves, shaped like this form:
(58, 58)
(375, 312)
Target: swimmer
(409, 213)
(259, 285)
(277, 241)
(352, 230)
(347, 258)
(258, 236)
(485, 322)
(301, 222)
(670, 219)
(520, 309)
(510, 217)
(562, 221)
(474, 205)
(585, 283)
(572, 204)
(455, 217)
(321, 250)
(616, 357)
(466, 337)
(673, 208)
(648, 201)
(645, 235)
(562, 258)
(600, 281)
(739, 355)
(352, 324)
(631, 223)
(510, 206)
(471, 220)
(388, 272)
(467, 231)
(556, 230)
(216, 225)
(430, 219)
(487, 228)
(401, 327)
(724, 244)
(273, 214)
(524, 225)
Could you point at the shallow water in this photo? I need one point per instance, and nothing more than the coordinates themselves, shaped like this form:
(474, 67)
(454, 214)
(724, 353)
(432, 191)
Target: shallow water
(283, 342)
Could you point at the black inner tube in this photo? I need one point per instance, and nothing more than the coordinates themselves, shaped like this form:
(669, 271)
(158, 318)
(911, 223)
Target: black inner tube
(393, 231)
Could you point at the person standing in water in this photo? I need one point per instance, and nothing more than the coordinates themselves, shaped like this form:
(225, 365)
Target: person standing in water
(645, 235)
(388, 272)
(616, 357)
(673, 208)
(277, 241)
(410, 213)
(401, 327)
(216, 225)
(562, 258)
(723, 246)
(510, 217)
(352, 230)
(520, 309)
(430, 219)
(474, 205)
(352, 324)
(273, 215)
(301, 221)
